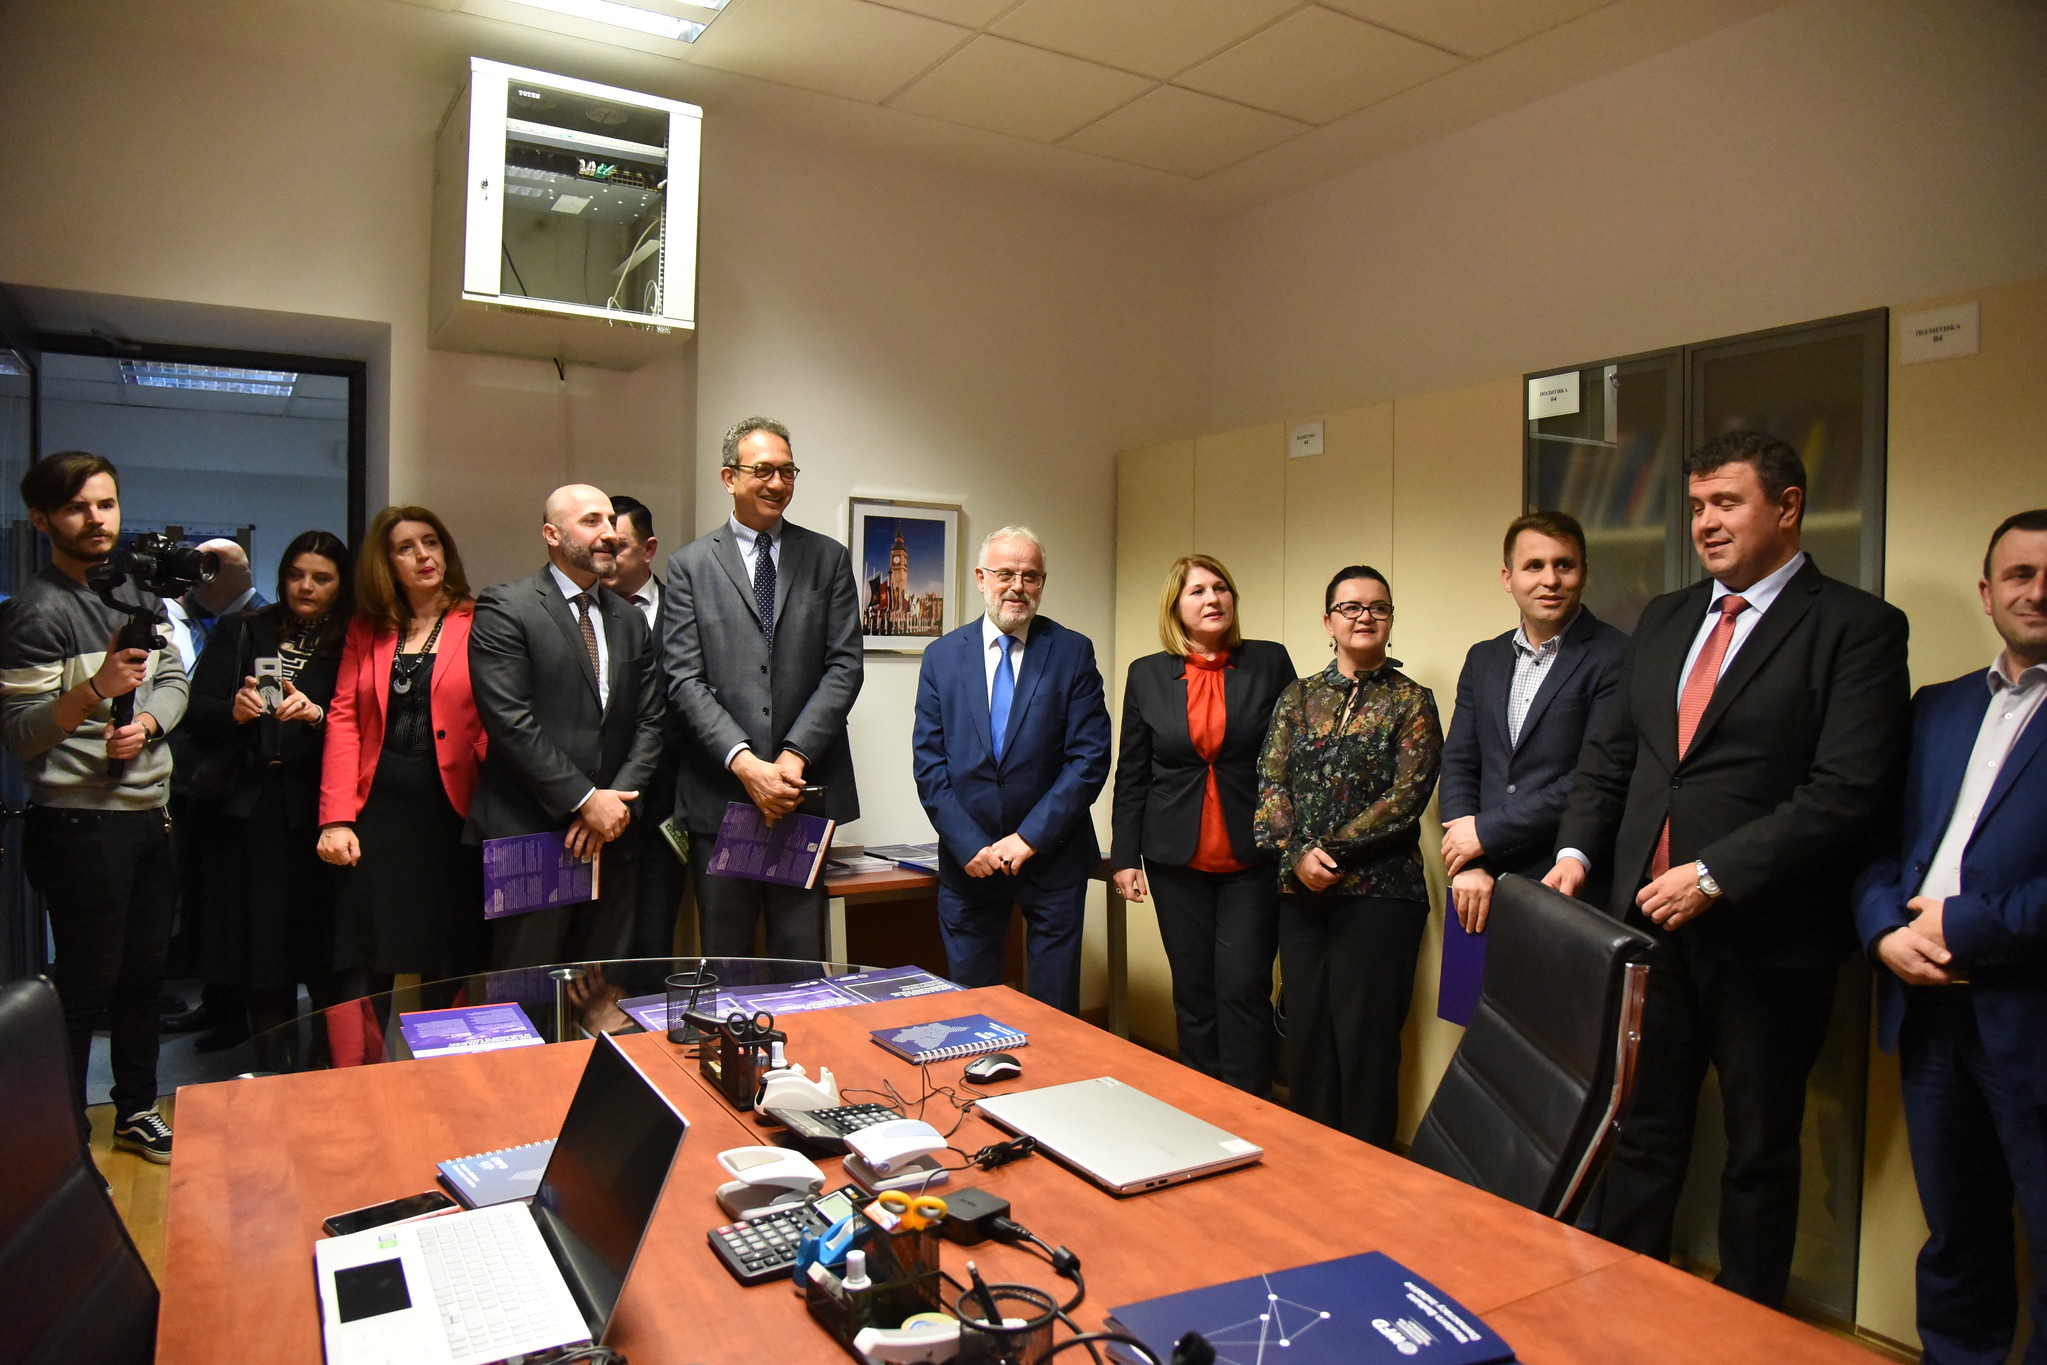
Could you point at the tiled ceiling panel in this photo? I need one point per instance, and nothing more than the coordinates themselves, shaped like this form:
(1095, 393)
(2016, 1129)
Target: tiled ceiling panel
(972, 13)
(1318, 65)
(1183, 132)
(1470, 27)
(1024, 91)
(840, 47)
(1155, 37)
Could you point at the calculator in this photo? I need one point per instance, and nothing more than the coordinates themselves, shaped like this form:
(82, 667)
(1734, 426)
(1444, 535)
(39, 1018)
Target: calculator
(826, 1129)
(763, 1247)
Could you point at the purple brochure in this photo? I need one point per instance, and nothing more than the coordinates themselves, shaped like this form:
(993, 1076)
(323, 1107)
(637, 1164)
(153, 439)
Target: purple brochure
(789, 852)
(467, 1028)
(528, 872)
(1463, 968)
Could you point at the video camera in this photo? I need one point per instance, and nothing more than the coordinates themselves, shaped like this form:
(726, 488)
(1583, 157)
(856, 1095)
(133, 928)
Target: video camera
(155, 564)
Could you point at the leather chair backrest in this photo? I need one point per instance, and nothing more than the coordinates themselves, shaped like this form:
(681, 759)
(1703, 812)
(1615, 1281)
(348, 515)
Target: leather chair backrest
(72, 1287)
(1525, 1095)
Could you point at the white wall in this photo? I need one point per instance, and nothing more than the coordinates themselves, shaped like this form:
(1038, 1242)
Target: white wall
(283, 475)
(1820, 159)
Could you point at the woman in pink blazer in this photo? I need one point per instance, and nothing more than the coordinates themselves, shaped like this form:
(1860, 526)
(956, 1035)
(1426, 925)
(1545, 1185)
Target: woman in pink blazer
(403, 744)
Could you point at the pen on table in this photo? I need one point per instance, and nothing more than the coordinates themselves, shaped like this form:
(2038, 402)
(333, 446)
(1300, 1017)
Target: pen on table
(986, 1296)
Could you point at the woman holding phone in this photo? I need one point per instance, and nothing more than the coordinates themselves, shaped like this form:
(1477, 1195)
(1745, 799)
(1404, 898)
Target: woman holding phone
(261, 692)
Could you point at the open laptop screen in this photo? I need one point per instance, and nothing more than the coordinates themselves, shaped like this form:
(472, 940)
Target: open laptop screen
(605, 1177)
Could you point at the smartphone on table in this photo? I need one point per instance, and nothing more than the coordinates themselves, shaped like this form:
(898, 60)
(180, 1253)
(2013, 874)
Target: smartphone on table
(393, 1211)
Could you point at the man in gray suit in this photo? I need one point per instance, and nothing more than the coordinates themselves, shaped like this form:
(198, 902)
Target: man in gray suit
(565, 682)
(760, 639)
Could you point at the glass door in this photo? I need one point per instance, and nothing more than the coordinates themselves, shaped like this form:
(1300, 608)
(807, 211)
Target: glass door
(21, 953)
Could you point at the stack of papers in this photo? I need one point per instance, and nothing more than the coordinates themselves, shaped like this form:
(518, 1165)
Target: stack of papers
(650, 1012)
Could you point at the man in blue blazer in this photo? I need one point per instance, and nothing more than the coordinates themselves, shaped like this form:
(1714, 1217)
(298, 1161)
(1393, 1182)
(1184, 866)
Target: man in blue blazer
(1525, 702)
(1959, 917)
(1011, 748)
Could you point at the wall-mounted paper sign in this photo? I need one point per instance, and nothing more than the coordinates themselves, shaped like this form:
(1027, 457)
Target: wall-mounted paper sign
(1303, 438)
(1940, 333)
(1553, 395)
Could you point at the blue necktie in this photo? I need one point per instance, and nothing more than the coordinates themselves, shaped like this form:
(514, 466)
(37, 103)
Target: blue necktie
(1000, 696)
(764, 585)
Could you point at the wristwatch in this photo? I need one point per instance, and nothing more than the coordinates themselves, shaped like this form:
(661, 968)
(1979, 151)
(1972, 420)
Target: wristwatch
(1707, 885)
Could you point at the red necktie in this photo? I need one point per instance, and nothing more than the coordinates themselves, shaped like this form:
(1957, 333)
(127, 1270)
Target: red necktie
(1693, 701)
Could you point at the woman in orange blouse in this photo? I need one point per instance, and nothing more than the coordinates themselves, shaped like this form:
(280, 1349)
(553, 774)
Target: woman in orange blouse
(1194, 719)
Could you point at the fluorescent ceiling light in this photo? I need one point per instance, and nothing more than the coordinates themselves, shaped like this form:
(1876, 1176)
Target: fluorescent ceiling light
(628, 16)
(154, 374)
(10, 363)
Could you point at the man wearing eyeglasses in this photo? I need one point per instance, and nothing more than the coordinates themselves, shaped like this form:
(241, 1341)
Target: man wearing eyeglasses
(1011, 748)
(760, 631)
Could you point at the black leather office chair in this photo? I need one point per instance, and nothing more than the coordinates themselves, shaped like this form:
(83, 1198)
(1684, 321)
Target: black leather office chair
(73, 1285)
(1541, 1080)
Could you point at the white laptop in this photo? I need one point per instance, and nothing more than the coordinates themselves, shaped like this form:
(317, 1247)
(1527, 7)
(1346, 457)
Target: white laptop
(1118, 1136)
(507, 1280)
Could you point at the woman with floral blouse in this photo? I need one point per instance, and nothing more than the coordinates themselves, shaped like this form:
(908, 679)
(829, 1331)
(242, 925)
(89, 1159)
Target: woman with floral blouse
(1347, 768)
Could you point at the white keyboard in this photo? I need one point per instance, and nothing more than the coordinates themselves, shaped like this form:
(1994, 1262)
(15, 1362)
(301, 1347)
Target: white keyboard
(495, 1288)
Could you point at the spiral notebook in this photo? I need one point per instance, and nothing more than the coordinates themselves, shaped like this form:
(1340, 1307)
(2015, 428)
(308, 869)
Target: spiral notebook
(945, 1039)
(497, 1177)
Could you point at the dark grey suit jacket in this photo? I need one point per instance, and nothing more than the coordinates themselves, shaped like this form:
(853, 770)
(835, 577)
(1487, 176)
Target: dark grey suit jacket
(1518, 791)
(537, 697)
(727, 689)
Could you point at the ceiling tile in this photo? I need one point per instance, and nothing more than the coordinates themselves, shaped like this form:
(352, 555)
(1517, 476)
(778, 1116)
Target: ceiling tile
(839, 47)
(1318, 65)
(1472, 27)
(1156, 37)
(1020, 90)
(972, 13)
(1180, 131)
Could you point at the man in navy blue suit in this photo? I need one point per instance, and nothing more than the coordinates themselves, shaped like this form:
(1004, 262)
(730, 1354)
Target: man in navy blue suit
(1959, 917)
(1525, 702)
(1012, 747)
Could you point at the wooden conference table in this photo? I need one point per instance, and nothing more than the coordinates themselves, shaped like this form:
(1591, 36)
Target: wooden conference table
(261, 1162)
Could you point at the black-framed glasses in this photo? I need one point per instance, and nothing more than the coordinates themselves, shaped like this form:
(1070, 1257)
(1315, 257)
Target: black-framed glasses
(1351, 611)
(1030, 578)
(765, 473)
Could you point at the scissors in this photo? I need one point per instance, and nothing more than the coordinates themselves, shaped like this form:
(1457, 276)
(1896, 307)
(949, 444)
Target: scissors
(907, 1212)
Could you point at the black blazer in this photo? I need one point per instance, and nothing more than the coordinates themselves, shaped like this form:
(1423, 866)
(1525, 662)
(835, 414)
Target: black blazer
(549, 741)
(1518, 791)
(1160, 779)
(1793, 777)
(229, 656)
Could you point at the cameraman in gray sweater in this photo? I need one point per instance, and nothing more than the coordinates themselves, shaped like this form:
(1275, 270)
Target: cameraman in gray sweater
(97, 841)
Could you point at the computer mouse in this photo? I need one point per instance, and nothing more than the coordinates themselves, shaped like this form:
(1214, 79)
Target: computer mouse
(996, 1066)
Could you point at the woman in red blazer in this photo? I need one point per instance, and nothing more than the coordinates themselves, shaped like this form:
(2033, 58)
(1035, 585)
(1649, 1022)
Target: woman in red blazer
(403, 744)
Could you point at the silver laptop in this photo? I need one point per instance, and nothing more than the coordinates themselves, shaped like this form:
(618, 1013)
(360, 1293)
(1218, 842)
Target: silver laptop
(503, 1281)
(1118, 1136)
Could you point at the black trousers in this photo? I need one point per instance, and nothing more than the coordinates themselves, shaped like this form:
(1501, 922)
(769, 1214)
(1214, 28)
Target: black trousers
(729, 907)
(1348, 964)
(661, 872)
(110, 882)
(1221, 931)
(1760, 1029)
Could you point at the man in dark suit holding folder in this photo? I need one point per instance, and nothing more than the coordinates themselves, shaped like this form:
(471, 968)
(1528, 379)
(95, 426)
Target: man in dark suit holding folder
(760, 638)
(1011, 748)
(1748, 767)
(565, 685)
(1956, 916)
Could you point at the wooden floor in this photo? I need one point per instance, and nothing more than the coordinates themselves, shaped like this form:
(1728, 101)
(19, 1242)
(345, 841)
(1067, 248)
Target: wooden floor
(141, 1188)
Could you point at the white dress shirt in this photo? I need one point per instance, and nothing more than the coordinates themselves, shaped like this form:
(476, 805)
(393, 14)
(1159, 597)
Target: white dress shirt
(991, 651)
(650, 599)
(569, 591)
(182, 638)
(750, 542)
(1531, 665)
(2013, 704)
(1760, 596)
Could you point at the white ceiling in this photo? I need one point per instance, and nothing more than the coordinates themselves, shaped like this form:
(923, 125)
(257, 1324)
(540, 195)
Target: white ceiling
(97, 379)
(1230, 101)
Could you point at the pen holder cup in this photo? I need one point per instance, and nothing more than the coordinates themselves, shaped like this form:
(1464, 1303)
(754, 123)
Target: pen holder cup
(1021, 1337)
(902, 1269)
(687, 991)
